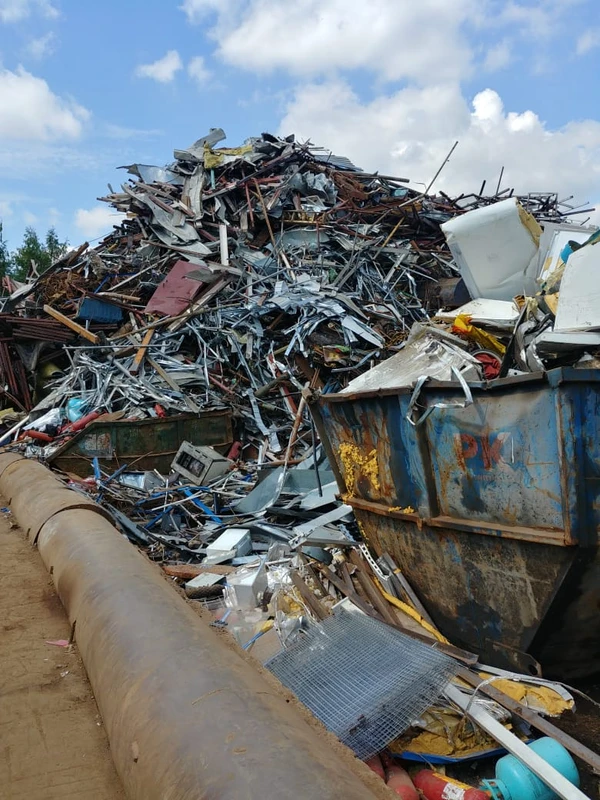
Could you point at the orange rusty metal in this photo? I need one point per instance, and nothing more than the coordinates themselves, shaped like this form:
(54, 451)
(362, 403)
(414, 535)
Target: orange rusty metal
(35, 494)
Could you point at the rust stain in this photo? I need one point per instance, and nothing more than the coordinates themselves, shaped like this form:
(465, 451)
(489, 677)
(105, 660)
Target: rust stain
(356, 465)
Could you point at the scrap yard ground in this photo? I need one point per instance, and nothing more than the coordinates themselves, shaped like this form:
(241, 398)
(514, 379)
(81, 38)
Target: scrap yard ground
(53, 744)
(345, 420)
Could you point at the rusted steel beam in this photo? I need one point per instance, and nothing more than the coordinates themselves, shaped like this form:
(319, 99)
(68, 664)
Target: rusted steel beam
(538, 535)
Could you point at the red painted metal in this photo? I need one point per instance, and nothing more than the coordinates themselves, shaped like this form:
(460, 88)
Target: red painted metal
(434, 786)
(175, 293)
(400, 783)
(38, 435)
(73, 427)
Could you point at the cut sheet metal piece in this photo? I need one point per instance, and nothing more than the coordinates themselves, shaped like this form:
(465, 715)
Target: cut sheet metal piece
(175, 292)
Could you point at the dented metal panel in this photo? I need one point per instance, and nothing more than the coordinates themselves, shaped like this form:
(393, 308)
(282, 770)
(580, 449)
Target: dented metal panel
(522, 461)
(492, 510)
(498, 461)
(174, 294)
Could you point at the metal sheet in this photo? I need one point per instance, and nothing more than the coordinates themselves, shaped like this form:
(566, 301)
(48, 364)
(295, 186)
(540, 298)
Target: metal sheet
(578, 301)
(174, 294)
(97, 310)
(508, 461)
(498, 460)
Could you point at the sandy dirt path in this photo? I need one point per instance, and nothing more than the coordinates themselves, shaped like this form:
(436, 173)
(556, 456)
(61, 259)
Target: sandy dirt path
(53, 745)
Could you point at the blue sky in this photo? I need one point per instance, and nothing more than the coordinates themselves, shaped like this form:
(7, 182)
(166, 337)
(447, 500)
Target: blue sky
(85, 87)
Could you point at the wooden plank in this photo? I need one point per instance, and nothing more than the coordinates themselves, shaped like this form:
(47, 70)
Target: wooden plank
(79, 329)
(186, 572)
(73, 256)
(348, 592)
(164, 375)
(175, 386)
(312, 574)
(377, 601)
(309, 598)
(117, 296)
(345, 573)
(532, 718)
(139, 356)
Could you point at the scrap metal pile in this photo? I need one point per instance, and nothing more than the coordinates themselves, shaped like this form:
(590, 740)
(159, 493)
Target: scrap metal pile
(239, 276)
(166, 372)
(239, 280)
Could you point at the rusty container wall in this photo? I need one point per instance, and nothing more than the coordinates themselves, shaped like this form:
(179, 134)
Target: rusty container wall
(143, 444)
(491, 510)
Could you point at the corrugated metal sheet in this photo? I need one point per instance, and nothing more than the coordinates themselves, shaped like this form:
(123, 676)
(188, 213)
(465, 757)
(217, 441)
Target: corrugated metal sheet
(94, 310)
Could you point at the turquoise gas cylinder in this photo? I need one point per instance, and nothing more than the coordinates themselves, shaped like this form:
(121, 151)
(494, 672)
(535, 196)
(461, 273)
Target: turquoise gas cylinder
(514, 781)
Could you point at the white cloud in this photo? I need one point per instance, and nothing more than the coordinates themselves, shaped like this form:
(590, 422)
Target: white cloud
(54, 215)
(498, 57)
(588, 41)
(30, 110)
(29, 218)
(198, 71)
(162, 70)
(538, 19)
(97, 221)
(409, 133)
(42, 47)
(396, 40)
(17, 10)
(196, 10)
(121, 132)
(423, 41)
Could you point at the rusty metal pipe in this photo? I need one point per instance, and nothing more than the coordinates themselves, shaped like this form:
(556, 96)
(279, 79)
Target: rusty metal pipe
(35, 494)
(187, 715)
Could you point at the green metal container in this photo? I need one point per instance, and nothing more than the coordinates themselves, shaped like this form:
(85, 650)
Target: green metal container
(144, 444)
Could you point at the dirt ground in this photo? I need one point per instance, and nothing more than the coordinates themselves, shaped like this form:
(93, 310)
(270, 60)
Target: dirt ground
(52, 742)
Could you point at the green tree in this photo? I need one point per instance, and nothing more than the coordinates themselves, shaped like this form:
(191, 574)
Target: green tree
(35, 256)
(54, 247)
(5, 256)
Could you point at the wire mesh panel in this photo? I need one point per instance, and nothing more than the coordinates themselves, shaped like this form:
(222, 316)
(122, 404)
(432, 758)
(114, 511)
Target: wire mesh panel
(365, 681)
